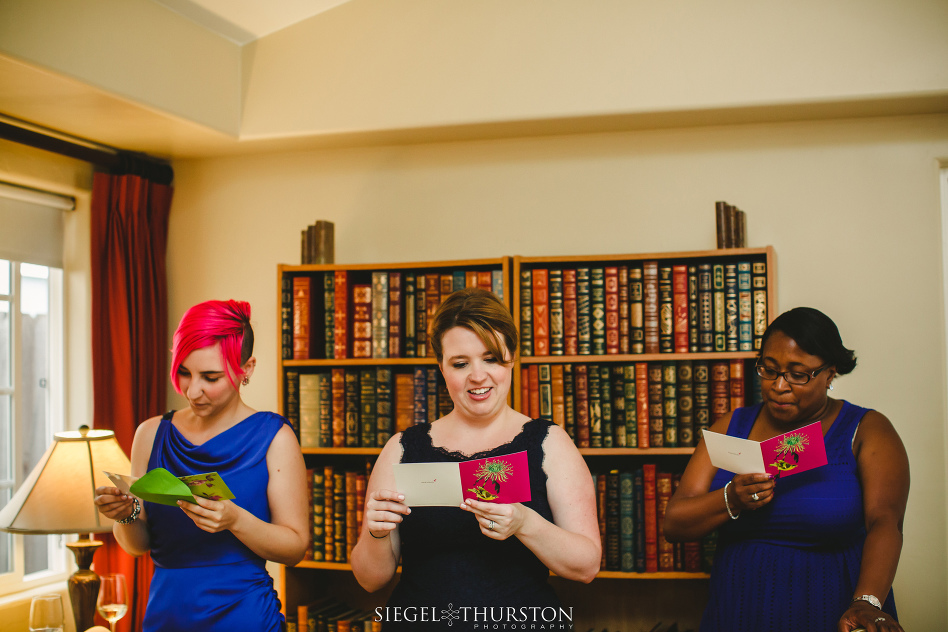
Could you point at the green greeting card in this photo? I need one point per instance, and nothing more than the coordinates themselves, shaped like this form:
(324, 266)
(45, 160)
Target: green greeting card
(162, 487)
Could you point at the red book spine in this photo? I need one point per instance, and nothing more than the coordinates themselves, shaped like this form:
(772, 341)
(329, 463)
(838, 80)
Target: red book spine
(338, 390)
(541, 312)
(570, 317)
(641, 404)
(650, 305)
(559, 402)
(650, 509)
(624, 329)
(525, 389)
(301, 317)
(680, 307)
(432, 302)
(340, 315)
(470, 278)
(581, 395)
(736, 379)
(611, 284)
(361, 320)
(485, 280)
(720, 390)
(533, 374)
(666, 549)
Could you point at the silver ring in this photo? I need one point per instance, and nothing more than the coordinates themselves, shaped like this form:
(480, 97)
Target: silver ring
(878, 619)
(755, 496)
(490, 525)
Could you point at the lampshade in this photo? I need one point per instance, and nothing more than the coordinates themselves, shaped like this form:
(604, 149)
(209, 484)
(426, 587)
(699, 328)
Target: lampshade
(57, 496)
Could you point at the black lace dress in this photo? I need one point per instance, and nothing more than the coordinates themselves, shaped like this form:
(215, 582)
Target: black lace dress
(454, 577)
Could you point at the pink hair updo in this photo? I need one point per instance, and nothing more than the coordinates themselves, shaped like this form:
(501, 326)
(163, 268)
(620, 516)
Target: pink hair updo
(210, 323)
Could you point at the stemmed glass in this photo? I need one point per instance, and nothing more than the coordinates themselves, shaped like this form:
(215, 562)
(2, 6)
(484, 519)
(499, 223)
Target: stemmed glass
(112, 602)
(46, 613)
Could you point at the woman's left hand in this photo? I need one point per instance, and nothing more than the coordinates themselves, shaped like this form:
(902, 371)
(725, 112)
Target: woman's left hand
(212, 516)
(498, 522)
(863, 615)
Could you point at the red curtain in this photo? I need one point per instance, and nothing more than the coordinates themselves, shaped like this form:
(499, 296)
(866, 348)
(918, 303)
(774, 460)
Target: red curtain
(129, 335)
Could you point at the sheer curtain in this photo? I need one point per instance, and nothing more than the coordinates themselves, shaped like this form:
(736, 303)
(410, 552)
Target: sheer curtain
(129, 331)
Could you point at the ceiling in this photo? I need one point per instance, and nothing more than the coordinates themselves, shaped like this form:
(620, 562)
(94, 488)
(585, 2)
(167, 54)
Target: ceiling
(243, 21)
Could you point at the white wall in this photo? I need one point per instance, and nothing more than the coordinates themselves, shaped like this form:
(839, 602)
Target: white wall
(851, 206)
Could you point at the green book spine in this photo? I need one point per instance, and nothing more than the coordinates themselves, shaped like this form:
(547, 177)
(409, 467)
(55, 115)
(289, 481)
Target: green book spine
(368, 408)
(618, 407)
(324, 384)
(380, 296)
(526, 313)
(666, 313)
(286, 317)
(613, 522)
(626, 523)
(385, 405)
(557, 332)
(292, 400)
(329, 314)
(319, 514)
(731, 338)
(353, 428)
(597, 310)
(636, 310)
(720, 316)
(670, 403)
(686, 419)
(759, 289)
(410, 318)
(583, 313)
(546, 391)
(656, 406)
(595, 406)
(569, 402)
(605, 406)
(631, 407)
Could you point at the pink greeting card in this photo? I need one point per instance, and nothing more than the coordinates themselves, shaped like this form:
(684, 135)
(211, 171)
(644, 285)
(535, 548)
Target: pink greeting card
(497, 479)
(784, 455)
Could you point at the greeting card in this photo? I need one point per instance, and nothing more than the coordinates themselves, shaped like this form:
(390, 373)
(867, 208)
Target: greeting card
(498, 479)
(162, 487)
(784, 455)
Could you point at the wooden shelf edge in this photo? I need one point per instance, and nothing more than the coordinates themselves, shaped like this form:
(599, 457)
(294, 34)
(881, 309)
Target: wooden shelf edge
(350, 451)
(639, 357)
(402, 265)
(635, 451)
(339, 566)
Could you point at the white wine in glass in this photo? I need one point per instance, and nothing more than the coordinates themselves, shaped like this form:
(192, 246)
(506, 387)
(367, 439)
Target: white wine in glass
(113, 598)
(46, 613)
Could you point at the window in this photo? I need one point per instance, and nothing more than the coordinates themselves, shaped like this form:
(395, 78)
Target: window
(31, 379)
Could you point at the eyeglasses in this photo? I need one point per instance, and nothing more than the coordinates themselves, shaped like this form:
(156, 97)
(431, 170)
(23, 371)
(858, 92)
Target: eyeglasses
(792, 377)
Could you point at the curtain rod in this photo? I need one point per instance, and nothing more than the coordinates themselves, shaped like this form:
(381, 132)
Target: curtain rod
(114, 160)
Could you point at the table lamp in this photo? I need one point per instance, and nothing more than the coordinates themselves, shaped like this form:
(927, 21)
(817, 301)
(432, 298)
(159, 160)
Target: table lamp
(57, 497)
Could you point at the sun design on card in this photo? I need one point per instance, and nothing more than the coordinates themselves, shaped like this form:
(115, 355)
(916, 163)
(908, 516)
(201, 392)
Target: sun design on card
(791, 446)
(491, 472)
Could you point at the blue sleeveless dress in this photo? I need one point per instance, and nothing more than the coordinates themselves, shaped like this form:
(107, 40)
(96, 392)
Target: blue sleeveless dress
(793, 565)
(450, 569)
(212, 581)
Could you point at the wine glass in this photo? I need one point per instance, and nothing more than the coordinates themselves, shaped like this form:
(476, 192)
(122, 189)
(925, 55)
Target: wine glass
(112, 602)
(46, 613)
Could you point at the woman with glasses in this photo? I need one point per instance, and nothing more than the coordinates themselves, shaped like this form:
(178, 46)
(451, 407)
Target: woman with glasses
(817, 550)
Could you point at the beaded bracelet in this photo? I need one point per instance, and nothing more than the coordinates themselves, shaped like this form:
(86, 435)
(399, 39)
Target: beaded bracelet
(132, 517)
(727, 506)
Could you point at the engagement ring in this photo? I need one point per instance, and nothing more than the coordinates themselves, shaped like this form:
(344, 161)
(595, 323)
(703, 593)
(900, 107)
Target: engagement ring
(490, 525)
(755, 497)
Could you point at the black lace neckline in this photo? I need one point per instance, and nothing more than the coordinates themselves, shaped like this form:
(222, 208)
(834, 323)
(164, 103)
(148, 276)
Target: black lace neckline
(454, 454)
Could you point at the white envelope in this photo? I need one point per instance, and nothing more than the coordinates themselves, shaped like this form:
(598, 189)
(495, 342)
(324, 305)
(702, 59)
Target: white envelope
(741, 456)
(429, 484)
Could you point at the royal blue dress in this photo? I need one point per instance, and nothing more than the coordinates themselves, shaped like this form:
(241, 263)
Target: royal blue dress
(212, 581)
(793, 564)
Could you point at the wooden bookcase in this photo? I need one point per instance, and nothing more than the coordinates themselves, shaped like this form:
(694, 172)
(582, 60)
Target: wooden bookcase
(611, 602)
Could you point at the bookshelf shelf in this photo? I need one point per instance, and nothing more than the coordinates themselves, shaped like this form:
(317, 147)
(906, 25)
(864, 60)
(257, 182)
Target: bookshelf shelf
(607, 450)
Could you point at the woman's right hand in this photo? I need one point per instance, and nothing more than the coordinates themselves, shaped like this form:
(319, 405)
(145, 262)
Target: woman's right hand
(113, 503)
(384, 509)
(741, 492)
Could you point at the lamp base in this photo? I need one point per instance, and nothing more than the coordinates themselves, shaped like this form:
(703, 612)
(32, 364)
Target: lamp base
(84, 583)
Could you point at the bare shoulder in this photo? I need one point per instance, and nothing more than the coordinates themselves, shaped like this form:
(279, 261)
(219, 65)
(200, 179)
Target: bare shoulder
(142, 444)
(557, 439)
(873, 428)
(392, 452)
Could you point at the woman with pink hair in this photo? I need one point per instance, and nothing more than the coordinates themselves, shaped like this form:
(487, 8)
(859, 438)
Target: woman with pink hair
(210, 557)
